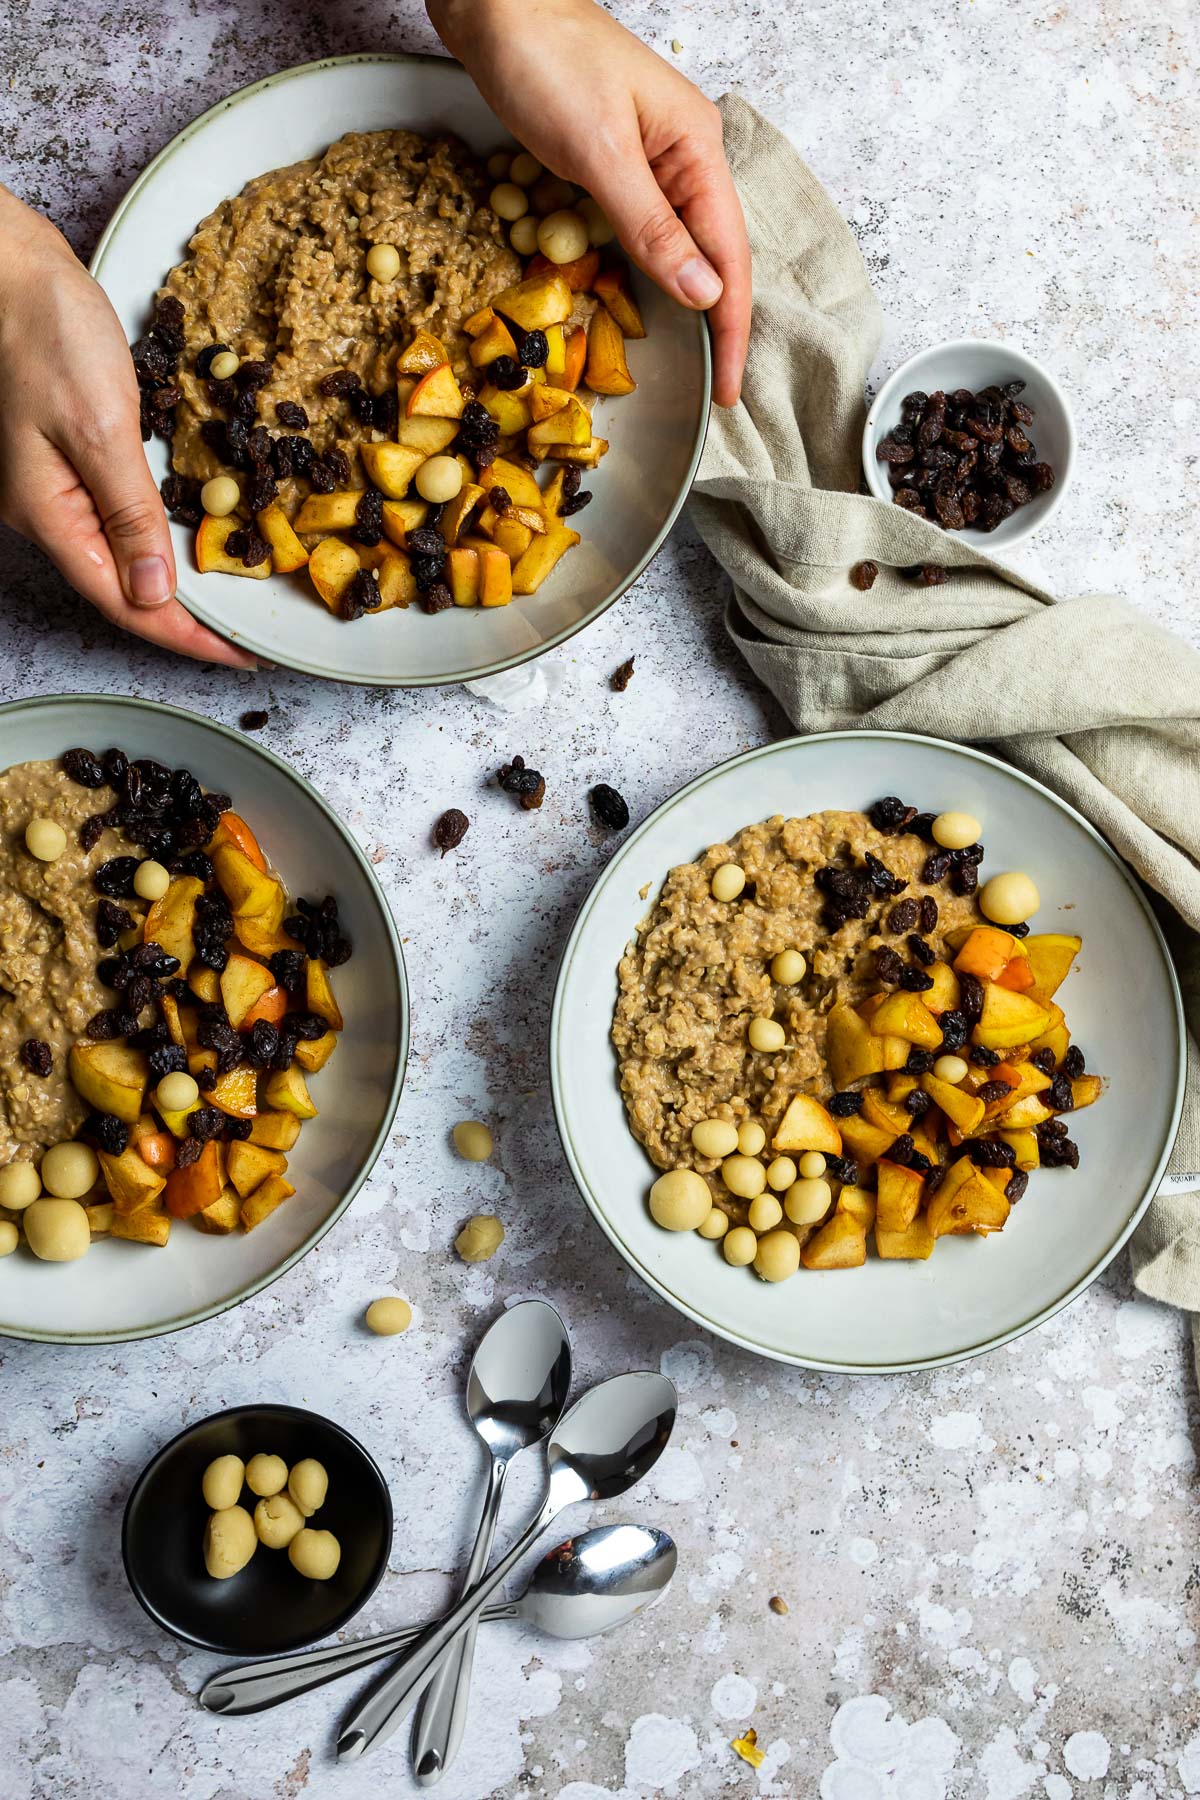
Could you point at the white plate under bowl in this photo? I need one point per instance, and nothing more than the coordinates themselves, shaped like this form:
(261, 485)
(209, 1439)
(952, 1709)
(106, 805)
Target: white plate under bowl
(974, 363)
(655, 434)
(972, 1294)
(120, 1290)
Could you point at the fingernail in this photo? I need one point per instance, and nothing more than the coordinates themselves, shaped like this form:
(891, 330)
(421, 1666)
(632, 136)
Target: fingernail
(700, 282)
(149, 582)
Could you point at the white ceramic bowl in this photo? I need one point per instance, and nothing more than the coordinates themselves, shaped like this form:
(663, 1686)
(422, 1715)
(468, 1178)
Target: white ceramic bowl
(973, 363)
(121, 1290)
(973, 1293)
(655, 434)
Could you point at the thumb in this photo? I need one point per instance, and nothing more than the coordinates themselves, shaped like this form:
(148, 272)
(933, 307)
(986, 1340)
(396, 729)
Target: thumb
(112, 465)
(652, 232)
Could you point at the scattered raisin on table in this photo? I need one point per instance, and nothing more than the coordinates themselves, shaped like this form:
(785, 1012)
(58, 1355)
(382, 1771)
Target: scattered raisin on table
(609, 808)
(254, 721)
(450, 830)
(526, 785)
(36, 1056)
(622, 676)
(930, 575)
(863, 575)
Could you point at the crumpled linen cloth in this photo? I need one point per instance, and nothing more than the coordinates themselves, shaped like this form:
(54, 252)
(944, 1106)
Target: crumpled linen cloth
(1084, 693)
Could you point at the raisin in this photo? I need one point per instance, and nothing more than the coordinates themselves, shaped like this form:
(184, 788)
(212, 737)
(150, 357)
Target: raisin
(880, 876)
(114, 878)
(107, 1132)
(362, 405)
(917, 1103)
(362, 596)
(937, 867)
(291, 414)
(368, 518)
(111, 921)
(301, 454)
(534, 350)
(258, 445)
(922, 826)
(248, 547)
(1059, 1153)
(981, 1056)
(954, 1028)
(255, 720)
(970, 997)
(506, 373)
(172, 1058)
(114, 1022)
(1018, 1181)
(863, 575)
(890, 450)
(919, 1062)
(262, 1045)
(139, 994)
(890, 814)
(993, 1090)
(901, 1149)
(609, 808)
(843, 1169)
(920, 950)
(571, 480)
(206, 1123)
(36, 1056)
(191, 1149)
(910, 501)
(1043, 1060)
(965, 880)
(888, 966)
(81, 767)
(845, 1103)
(915, 981)
(903, 916)
(929, 914)
(321, 477)
(387, 412)
(622, 676)
(427, 544)
(929, 574)
(576, 502)
(261, 489)
(1041, 480)
(450, 830)
(1018, 931)
(1060, 1095)
(993, 1153)
(1073, 1063)
(934, 1177)
(436, 597)
(526, 785)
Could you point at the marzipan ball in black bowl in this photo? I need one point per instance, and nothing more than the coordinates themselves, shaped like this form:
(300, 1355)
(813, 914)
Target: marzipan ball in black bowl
(267, 1608)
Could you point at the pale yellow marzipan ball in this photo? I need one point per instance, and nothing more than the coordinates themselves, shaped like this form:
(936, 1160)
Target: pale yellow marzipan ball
(523, 235)
(715, 1137)
(224, 364)
(499, 164)
(955, 830)
(812, 1164)
(744, 1176)
(727, 881)
(45, 839)
(230, 1540)
(764, 1214)
(739, 1246)
(70, 1170)
(9, 1237)
(472, 1140)
(177, 1091)
(150, 880)
(308, 1485)
(220, 495)
(767, 1035)
(20, 1185)
(950, 1068)
(751, 1137)
(439, 479)
(383, 262)
(807, 1201)
(508, 201)
(222, 1482)
(277, 1519)
(600, 230)
(788, 968)
(715, 1226)
(315, 1554)
(389, 1317)
(781, 1172)
(480, 1238)
(550, 194)
(563, 237)
(525, 169)
(266, 1474)
(777, 1257)
(1009, 899)
(680, 1200)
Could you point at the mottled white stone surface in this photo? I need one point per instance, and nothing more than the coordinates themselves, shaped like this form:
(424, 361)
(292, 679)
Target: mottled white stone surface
(991, 1571)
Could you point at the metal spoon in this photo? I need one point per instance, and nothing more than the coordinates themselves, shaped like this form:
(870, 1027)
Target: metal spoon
(606, 1443)
(588, 1585)
(516, 1391)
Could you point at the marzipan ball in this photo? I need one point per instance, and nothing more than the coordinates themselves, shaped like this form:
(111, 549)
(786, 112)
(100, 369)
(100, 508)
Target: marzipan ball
(680, 1200)
(150, 880)
(744, 1176)
(472, 1140)
(715, 1226)
(508, 201)
(315, 1554)
(389, 1317)
(224, 365)
(739, 1246)
(266, 1474)
(383, 262)
(9, 1237)
(955, 830)
(777, 1257)
(230, 1541)
(70, 1170)
(523, 235)
(222, 1482)
(20, 1185)
(220, 495)
(599, 229)
(45, 839)
(715, 1137)
(308, 1485)
(480, 1238)
(439, 478)
(727, 881)
(277, 1519)
(57, 1230)
(1009, 899)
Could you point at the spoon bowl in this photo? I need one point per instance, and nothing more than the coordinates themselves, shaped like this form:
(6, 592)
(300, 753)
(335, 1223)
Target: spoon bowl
(519, 1380)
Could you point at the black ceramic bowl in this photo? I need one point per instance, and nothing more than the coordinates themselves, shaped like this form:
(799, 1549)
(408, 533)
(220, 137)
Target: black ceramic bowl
(266, 1608)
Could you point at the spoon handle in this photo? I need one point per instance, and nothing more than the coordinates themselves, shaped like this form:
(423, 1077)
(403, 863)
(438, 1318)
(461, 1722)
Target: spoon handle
(373, 1719)
(253, 1687)
(443, 1711)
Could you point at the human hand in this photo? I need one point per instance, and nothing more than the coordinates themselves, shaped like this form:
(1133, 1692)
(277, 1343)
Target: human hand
(598, 107)
(73, 474)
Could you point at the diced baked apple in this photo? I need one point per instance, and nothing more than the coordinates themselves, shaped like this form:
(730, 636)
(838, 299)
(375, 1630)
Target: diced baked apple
(607, 371)
(429, 436)
(197, 1185)
(329, 512)
(235, 1092)
(535, 564)
(172, 1018)
(402, 516)
(437, 395)
(946, 991)
(318, 995)
(852, 1049)
(251, 892)
(974, 1205)
(860, 1203)
(263, 1201)
(221, 1217)
(242, 982)
(287, 552)
(395, 580)
(556, 354)
(148, 1225)
(426, 352)
(579, 275)
(495, 577)
(233, 829)
(612, 288)
(1008, 1019)
(1027, 1112)
(313, 1053)
(568, 424)
(546, 399)
(508, 407)
(913, 1244)
(462, 576)
(248, 1165)
(211, 557)
(262, 939)
(111, 1077)
(1050, 955)
(584, 456)
(287, 1090)
(1024, 1145)
(1085, 1090)
(176, 1118)
(392, 466)
(171, 920)
(478, 321)
(494, 340)
(863, 1141)
(1028, 1080)
(841, 1243)
(807, 1125)
(99, 1217)
(906, 1016)
(963, 1109)
(130, 1180)
(1016, 974)
(458, 512)
(275, 1130)
(1056, 1037)
(332, 567)
(517, 482)
(574, 358)
(985, 951)
(878, 1110)
(537, 302)
(956, 1176)
(157, 1151)
(270, 1005)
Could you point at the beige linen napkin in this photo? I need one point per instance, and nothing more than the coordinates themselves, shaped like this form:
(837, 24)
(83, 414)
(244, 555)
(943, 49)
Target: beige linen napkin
(1084, 693)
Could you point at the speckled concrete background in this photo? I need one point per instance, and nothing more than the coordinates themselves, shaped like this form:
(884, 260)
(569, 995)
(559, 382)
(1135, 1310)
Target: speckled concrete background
(1004, 1554)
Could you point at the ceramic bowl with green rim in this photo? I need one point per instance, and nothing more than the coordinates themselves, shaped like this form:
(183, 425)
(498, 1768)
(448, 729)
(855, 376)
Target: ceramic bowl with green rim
(121, 1290)
(1122, 1005)
(655, 434)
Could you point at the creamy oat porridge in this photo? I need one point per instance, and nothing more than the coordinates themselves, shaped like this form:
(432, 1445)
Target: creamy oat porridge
(826, 1026)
